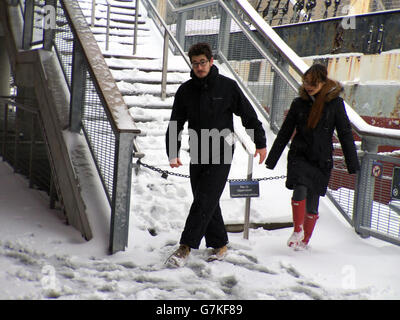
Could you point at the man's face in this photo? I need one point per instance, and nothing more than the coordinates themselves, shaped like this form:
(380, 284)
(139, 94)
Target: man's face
(201, 65)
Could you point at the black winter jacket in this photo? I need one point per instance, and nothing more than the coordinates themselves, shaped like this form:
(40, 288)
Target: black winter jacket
(310, 158)
(208, 104)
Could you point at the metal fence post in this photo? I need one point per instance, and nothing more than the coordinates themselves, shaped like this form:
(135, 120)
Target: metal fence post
(136, 31)
(164, 67)
(78, 85)
(248, 199)
(108, 26)
(120, 205)
(5, 129)
(27, 35)
(276, 110)
(93, 14)
(32, 150)
(181, 29)
(364, 195)
(224, 33)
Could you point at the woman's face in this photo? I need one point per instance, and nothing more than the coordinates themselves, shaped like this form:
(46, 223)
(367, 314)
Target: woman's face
(312, 89)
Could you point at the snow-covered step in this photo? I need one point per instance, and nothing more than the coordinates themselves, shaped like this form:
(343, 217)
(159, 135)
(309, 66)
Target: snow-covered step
(146, 115)
(87, 4)
(101, 39)
(114, 16)
(134, 89)
(148, 101)
(149, 65)
(101, 11)
(142, 32)
(152, 77)
(114, 23)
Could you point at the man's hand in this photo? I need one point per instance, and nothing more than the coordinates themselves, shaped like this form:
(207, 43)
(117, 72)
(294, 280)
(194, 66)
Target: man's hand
(263, 154)
(175, 163)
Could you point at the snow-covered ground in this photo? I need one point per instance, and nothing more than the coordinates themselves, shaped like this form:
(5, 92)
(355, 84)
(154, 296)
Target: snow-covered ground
(43, 258)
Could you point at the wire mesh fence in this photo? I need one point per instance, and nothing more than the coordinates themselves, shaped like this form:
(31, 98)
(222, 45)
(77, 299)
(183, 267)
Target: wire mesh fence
(22, 143)
(93, 105)
(99, 134)
(63, 43)
(381, 203)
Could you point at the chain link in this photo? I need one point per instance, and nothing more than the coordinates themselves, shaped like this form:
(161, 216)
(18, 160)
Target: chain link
(166, 173)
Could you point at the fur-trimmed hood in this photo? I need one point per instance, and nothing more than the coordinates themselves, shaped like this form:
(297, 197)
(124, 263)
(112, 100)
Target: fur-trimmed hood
(332, 88)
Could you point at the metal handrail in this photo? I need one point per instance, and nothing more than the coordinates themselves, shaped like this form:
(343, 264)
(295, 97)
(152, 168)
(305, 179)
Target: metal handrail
(172, 37)
(136, 29)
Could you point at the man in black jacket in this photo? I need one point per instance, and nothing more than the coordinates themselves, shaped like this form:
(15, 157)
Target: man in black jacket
(207, 102)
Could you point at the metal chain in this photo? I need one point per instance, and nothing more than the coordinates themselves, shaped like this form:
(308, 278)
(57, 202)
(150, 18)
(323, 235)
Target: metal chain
(166, 173)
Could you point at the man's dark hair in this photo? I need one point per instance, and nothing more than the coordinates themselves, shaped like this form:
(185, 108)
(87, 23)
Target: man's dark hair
(200, 48)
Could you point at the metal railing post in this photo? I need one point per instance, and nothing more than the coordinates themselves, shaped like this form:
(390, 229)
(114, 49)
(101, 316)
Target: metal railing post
(28, 24)
(135, 34)
(78, 85)
(365, 189)
(164, 67)
(276, 110)
(224, 32)
(93, 13)
(181, 28)
(108, 26)
(31, 151)
(120, 206)
(248, 199)
(16, 139)
(5, 129)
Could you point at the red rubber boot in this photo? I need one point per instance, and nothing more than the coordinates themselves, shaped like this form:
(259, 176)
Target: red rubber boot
(309, 224)
(298, 210)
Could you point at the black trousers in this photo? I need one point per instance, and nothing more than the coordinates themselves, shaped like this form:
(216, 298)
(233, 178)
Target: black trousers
(301, 192)
(205, 217)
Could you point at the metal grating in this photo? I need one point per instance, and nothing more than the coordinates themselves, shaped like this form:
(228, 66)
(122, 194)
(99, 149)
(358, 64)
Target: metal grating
(63, 43)
(100, 135)
(382, 214)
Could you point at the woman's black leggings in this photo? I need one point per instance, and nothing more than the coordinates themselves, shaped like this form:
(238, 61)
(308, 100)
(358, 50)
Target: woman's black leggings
(301, 192)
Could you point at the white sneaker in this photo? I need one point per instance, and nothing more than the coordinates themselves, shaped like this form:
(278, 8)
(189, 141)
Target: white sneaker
(218, 254)
(179, 257)
(295, 239)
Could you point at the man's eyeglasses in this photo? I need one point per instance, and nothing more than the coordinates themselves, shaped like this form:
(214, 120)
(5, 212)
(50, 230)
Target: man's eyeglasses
(201, 63)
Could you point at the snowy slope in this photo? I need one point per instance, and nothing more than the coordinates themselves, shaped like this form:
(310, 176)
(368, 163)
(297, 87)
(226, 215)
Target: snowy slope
(42, 258)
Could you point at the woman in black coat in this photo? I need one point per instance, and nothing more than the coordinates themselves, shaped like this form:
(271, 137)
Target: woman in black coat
(313, 117)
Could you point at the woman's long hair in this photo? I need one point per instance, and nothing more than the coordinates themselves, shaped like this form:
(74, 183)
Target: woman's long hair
(316, 74)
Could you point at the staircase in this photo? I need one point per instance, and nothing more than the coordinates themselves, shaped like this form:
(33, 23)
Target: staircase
(138, 76)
